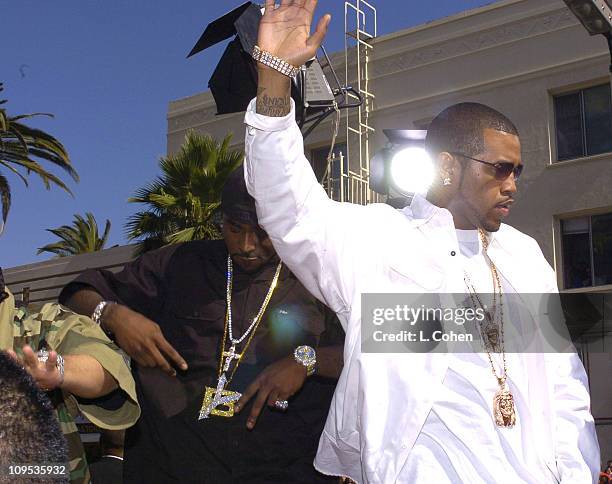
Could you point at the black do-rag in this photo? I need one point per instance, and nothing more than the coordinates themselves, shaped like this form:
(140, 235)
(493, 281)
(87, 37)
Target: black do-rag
(236, 203)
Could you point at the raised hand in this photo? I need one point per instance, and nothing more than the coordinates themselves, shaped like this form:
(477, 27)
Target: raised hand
(284, 30)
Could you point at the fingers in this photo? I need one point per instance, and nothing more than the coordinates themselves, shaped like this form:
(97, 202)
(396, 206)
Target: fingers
(310, 5)
(272, 398)
(266, 395)
(144, 342)
(168, 350)
(29, 357)
(268, 6)
(152, 355)
(246, 396)
(257, 407)
(160, 362)
(51, 363)
(13, 355)
(315, 40)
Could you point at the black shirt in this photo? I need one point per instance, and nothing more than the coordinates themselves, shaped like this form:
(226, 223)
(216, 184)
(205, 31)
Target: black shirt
(183, 289)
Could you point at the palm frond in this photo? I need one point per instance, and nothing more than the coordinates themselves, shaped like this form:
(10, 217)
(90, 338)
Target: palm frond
(183, 202)
(26, 147)
(79, 238)
(5, 197)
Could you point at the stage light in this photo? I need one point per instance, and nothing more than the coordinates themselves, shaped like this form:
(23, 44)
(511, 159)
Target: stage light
(594, 15)
(402, 168)
(234, 80)
(411, 170)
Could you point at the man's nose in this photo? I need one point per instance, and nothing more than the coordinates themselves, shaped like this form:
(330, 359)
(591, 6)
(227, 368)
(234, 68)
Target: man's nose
(509, 185)
(249, 242)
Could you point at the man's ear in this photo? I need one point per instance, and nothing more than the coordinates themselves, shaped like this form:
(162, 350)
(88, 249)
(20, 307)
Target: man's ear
(447, 166)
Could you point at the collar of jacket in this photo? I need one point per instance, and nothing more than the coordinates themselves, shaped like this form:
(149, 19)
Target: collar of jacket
(423, 211)
(438, 223)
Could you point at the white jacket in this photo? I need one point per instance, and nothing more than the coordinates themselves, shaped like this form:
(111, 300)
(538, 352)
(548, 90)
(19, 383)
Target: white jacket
(340, 251)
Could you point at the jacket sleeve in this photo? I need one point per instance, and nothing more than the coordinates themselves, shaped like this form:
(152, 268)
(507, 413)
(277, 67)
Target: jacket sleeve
(576, 447)
(139, 285)
(72, 334)
(319, 239)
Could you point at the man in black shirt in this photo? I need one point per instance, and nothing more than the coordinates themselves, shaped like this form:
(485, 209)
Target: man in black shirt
(195, 315)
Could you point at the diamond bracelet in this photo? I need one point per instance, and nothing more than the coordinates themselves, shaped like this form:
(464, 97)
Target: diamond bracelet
(97, 315)
(43, 356)
(276, 63)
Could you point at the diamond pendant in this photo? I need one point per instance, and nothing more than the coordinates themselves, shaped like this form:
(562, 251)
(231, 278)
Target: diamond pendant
(503, 408)
(229, 356)
(215, 397)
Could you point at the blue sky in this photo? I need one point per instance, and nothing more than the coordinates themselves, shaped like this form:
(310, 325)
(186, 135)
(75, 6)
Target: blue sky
(107, 71)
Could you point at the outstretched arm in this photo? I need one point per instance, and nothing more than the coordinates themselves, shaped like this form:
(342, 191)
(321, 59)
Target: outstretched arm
(319, 239)
(138, 291)
(83, 375)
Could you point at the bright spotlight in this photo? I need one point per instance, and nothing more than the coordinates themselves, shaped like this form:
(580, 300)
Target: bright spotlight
(402, 167)
(411, 170)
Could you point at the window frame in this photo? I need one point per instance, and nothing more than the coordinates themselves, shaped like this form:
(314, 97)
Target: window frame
(559, 263)
(567, 90)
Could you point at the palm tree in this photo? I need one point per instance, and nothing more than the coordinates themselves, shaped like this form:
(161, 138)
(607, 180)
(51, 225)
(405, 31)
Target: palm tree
(183, 202)
(79, 238)
(21, 147)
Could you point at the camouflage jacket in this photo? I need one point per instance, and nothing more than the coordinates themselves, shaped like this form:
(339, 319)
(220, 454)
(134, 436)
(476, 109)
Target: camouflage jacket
(60, 329)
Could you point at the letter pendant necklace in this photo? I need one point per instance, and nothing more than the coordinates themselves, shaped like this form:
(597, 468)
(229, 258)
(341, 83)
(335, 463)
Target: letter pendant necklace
(220, 401)
(504, 411)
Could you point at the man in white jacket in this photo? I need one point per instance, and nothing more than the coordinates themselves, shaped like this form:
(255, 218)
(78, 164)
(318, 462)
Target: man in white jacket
(450, 417)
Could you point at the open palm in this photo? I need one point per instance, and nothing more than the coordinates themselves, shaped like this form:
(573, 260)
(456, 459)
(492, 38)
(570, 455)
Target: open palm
(285, 30)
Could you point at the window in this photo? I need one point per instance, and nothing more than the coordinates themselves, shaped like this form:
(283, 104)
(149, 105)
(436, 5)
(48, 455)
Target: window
(583, 122)
(587, 251)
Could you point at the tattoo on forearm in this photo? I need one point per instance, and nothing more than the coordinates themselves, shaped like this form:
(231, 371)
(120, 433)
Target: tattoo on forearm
(272, 106)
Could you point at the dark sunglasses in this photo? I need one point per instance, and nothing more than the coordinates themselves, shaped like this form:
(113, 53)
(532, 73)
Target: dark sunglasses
(503, 169)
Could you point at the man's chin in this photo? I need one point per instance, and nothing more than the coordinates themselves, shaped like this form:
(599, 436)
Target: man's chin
(491, 225)
(248, 265)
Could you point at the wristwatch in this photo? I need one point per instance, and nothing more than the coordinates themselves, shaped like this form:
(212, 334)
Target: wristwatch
(307, 356)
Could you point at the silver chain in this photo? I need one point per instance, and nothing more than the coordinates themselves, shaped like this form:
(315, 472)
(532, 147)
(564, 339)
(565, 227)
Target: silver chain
(230, 277)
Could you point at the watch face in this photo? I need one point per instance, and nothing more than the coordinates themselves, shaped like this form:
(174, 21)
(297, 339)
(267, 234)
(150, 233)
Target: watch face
(305, 353)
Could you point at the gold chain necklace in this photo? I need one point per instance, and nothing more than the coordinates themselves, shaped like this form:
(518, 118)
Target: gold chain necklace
(221, 396)
(503, 402)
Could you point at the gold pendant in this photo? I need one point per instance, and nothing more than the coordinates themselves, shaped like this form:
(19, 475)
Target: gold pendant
(215, 397)
(503, 408)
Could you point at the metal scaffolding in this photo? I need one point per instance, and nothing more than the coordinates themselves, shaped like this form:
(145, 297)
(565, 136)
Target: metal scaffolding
(349, 171)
